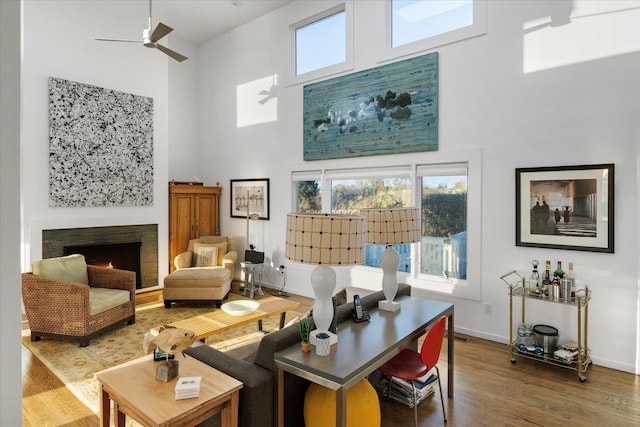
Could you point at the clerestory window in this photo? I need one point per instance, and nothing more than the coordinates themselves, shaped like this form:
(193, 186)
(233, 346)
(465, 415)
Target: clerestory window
(320, 42)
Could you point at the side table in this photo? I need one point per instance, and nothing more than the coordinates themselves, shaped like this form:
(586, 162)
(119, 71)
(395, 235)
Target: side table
(251, 270)
(135, 392)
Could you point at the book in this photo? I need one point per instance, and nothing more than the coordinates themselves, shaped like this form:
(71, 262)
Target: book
(187, 387)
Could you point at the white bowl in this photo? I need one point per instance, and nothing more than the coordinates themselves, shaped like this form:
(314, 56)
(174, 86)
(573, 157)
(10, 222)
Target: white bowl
(240, 308)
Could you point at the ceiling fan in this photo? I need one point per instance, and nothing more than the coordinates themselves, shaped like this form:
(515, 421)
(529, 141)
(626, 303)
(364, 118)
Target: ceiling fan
(150, 39)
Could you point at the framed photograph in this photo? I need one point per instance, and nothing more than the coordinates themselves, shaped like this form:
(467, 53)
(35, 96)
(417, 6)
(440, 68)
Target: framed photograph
(568, 207)
(251, 194)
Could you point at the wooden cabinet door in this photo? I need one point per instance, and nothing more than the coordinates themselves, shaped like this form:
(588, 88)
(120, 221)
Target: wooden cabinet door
(207, 215)
(181, 224)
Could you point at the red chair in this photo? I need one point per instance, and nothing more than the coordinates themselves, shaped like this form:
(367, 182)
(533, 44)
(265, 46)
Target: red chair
(410, 365)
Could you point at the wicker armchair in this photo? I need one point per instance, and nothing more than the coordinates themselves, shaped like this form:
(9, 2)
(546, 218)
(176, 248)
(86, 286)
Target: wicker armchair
(61, 309)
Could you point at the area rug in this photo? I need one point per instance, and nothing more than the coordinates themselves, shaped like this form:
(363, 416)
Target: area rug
(75, 366)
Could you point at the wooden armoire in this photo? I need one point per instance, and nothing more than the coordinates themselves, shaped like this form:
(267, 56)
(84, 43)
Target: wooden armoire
(194, 211)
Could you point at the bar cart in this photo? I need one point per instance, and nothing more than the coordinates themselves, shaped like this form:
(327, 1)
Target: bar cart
(517, 288)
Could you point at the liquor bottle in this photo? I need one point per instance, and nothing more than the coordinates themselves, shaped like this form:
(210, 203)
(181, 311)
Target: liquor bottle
(534, 282)
(572, 279)
(546, 282)
(570, 274)
(558, 273)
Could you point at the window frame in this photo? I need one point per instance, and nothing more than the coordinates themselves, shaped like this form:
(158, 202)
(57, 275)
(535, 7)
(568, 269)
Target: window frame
(440, 170)
(384, 172)
(477, 28)
(292, 78)
(470, 287)
(329, 175)
(301, 176)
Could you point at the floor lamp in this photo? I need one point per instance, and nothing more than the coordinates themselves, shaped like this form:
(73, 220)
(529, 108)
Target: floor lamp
(324, 240)
(389, 227)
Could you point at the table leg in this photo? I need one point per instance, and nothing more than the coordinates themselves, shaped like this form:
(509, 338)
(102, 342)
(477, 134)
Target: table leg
(252, 289)
(119, 416)
(229, 413)
(450, 356)
(105, 407)
(280, 397)
(341, 407)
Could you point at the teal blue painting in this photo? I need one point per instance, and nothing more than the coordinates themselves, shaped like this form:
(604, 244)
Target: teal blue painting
(389, 109)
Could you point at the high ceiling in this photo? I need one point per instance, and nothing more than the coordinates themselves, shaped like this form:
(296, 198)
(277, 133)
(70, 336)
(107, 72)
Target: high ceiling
(197, 21)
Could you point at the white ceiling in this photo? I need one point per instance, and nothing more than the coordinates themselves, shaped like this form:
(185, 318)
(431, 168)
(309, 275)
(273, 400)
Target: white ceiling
(197, 21)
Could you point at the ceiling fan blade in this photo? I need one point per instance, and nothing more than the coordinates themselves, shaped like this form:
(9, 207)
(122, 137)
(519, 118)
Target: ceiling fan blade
(160, 31)
(119, 40)
(175, 55)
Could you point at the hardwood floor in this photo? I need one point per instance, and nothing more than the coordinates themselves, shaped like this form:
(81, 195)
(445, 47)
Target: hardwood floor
(489, 391)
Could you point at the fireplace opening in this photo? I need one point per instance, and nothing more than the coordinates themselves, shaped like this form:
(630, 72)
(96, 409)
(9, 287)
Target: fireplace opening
(125, 256)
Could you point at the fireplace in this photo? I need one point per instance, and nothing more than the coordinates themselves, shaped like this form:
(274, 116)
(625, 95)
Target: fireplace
(125, 256)
(115, 240)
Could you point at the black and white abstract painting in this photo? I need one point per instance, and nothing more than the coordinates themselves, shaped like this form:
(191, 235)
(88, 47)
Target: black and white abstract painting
(100, 146)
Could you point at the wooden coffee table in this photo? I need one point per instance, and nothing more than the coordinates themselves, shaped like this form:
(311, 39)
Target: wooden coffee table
(135, 392)
(218, 321)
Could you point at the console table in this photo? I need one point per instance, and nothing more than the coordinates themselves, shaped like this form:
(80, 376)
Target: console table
(362, 348)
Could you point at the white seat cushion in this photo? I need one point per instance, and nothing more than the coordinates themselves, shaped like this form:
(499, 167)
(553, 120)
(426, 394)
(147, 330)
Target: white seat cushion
(102, 299)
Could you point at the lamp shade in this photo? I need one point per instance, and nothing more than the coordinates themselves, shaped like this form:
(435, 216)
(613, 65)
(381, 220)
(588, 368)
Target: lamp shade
(392, 226)
(325, 239)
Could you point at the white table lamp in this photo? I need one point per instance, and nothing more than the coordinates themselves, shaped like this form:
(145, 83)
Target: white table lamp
(391, 227)
(324, 240)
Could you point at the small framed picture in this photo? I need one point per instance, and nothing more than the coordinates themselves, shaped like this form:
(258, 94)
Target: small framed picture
(249, 197)
(567, 207)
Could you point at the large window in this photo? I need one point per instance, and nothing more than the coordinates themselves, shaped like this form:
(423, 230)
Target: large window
(447, 192)
(320, 42)
(443, 248)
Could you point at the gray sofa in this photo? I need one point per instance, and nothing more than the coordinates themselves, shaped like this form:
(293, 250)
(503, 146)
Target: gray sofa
(254, 366)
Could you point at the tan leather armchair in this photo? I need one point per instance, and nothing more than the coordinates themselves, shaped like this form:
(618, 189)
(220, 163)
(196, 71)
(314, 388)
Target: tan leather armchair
(79, 311)
(203, 273)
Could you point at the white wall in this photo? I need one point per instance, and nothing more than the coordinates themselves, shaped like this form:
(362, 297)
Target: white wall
(59, 42)
(525, 94)
(10, 354)
(183, 114)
